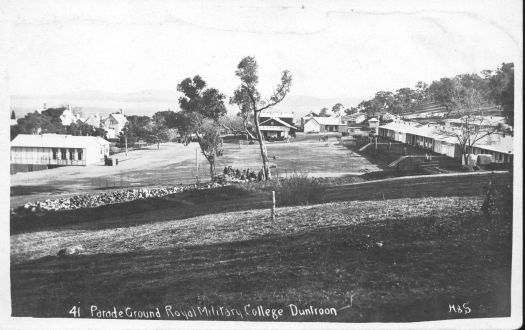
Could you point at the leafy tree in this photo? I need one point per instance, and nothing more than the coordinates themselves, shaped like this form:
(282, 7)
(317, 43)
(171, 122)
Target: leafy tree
(384, 101)
(501, 90)
(336, 109)
(469, 98)
(162, 127)
(250, 99)
(167, 118)
(242, 99)
(202, 109)
(404, 99)
(351, 111)
(54, 113)
(241, 124)
(324, 112)
(137, 128)
(15, 130)
(421, 92)
(82, 129)
(35, 122)
(444, 92)
(127, 136)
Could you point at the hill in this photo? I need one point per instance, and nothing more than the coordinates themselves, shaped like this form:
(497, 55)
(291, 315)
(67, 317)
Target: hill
(147, 102)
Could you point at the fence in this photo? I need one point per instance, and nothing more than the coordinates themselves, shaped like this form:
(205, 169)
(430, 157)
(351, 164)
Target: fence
(144, 178)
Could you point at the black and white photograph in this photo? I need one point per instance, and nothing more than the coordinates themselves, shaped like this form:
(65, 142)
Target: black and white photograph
(262, 164)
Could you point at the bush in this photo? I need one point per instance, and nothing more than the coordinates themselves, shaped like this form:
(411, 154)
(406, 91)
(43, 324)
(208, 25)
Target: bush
(497, 208)
(298, 189)
(467, 168)
(498, 201)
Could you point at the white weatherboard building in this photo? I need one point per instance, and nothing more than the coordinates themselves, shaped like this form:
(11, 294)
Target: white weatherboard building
(324, 124)
(433, 138)
(278, 125)
(113, 124)
(49, 150)
(355, 118)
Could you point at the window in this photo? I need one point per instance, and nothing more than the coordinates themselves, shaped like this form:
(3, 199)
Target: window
(79, 154)
(55, 153)
(71, 154)
(63, 153)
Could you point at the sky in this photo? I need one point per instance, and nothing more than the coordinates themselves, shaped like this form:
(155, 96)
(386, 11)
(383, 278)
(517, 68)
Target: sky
(332, 48)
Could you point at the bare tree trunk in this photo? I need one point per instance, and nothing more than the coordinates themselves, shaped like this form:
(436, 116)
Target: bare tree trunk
(211, 160)
(262, 146)
(465, 155)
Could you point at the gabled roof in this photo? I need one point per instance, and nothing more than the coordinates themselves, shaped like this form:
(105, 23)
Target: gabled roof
(56, 141)
(120, 118)
(277, 120)
(93, 120)
(327, 120)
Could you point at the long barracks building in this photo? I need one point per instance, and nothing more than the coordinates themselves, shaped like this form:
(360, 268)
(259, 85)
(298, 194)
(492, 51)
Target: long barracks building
(431, 138)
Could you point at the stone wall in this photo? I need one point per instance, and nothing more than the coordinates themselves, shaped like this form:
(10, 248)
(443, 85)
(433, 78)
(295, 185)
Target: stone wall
(105, 198)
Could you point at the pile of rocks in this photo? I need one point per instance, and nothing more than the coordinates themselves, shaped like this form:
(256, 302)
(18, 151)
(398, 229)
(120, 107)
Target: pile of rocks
(232, 175)
(105, 198)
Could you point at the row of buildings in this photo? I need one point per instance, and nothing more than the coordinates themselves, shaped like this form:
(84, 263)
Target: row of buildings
(32, 152)
(112, 124)
(280, 125)
(430, 136)
(439, 139)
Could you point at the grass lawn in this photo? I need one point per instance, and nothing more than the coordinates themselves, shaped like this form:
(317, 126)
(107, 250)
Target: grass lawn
(400, 257)
(174, 163)
(306, 154)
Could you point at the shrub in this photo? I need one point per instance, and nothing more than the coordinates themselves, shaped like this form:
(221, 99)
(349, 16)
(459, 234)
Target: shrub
(467, 168)
(497, 208)
(498, 201)
(299, 189)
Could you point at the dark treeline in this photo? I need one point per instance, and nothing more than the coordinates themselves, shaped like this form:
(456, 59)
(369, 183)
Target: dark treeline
(48, 121)
(491, 88)
(159, 128)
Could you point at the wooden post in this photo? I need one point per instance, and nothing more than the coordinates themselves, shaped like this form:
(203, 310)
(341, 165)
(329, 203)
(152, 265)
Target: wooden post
(126, 141)
(197, 163)
(273, 205)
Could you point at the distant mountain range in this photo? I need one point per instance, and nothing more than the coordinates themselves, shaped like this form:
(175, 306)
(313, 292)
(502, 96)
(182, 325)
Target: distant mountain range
(147, 102)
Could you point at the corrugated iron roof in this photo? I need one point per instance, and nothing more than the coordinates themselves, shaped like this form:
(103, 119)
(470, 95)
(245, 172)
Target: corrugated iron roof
(277, 120)
(493, 142)
(327, 120)
(56, 141)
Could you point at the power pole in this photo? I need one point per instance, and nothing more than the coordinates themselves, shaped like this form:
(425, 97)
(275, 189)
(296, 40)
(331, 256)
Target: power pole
(126, 142)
